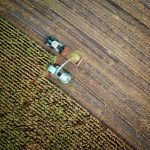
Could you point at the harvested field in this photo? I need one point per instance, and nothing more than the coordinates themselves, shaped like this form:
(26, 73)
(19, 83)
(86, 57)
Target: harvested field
(34, 113)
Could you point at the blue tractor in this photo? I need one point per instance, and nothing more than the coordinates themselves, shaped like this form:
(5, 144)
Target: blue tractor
(56, 45)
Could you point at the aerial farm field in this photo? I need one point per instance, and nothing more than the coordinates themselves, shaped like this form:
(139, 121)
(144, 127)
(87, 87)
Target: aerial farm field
(111, 84)
(34, 113)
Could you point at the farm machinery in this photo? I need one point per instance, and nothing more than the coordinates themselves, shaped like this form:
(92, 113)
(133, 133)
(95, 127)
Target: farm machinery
(56, 70)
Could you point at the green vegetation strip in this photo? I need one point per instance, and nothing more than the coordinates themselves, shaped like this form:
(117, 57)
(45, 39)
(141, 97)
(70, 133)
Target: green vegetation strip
(34, 113)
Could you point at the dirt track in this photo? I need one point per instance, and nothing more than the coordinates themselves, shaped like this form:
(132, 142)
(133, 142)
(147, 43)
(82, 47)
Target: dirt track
(113, 38)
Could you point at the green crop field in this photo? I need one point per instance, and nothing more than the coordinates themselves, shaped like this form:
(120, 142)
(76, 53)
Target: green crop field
(34, 113)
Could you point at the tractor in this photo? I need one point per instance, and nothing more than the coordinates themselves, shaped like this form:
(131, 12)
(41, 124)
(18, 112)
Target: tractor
(60, 73)
(56, 45)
